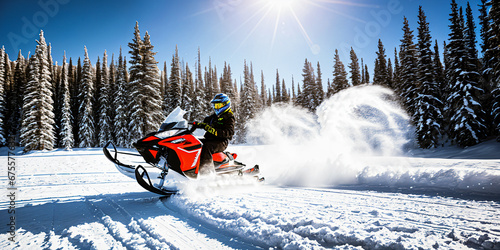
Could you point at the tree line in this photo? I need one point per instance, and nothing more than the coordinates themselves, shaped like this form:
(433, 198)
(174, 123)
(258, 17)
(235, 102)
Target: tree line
(455, 99)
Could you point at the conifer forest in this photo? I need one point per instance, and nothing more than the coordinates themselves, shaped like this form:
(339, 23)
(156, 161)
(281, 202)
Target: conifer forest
(450, 89)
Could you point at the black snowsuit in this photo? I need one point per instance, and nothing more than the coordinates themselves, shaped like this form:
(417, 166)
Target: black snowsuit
(218, 140)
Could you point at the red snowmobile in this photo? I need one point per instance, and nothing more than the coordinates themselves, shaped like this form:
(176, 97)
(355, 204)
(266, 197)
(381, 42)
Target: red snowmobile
(173, 155)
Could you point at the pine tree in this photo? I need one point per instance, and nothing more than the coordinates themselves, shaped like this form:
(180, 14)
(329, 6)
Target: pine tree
(199, 93)
(37, 132)
(175, 91)
(465, 112)
(121, 99)
(3, 139)
(354, 69)
(277, 89)
(15, 97)
(492, 60)
(339, 81)
(319, 93)
(306, 98)
(396, 76)
(263, 93)
(428, 115)
(150, 89)
(133, 90)
(408, 65)
(367, 75)
(66, 130)
(380, 72)
(86, 121)
(104, 111)
(247, 108)
(187, 92)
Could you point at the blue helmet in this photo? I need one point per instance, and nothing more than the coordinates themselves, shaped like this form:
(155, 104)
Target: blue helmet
(221, 103)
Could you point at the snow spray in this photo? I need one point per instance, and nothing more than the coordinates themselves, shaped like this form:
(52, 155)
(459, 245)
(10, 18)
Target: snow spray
(333, 145)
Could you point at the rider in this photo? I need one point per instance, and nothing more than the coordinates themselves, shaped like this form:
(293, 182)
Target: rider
(219, 129)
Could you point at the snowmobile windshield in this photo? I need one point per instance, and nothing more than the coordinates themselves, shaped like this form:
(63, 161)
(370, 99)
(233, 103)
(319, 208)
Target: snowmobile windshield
(174, 122)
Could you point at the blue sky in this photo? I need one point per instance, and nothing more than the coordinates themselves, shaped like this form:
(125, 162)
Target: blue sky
(272, 34)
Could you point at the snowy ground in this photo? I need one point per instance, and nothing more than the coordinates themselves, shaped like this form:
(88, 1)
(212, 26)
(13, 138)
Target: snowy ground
(344, 177)
(445, 198)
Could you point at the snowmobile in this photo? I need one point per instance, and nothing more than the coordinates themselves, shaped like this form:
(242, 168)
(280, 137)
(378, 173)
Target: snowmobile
(172, 154)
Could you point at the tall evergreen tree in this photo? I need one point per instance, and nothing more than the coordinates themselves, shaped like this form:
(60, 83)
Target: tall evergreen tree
(339, 81)
(492, 55)
(277, 89)
(380, 72)
(175, 90)
(199, 93)
(121, 100)
(247, 108)
(66, 130)
(104, 111)
(319, 93)
(187, 92)
(306, 98)
(16, 98)
(37, 131)
(466, 125)
(354, 69)
(396, 75)
(408, 65)
(85, 114)
(428, 116)
(3, 138)
(150, 90)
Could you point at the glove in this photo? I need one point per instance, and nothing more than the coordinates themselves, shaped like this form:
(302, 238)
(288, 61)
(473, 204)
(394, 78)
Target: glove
(199, 124)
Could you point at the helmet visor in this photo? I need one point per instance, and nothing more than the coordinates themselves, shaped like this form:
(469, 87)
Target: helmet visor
(219, 105)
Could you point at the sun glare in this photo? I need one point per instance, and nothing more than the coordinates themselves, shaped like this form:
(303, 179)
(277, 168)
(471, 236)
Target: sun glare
(281, 3)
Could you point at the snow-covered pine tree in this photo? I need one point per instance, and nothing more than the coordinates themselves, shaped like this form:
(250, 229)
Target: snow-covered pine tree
(3, 138)
(354, 69)
(390, 74)
(466, 126)
(121, 99)
(104, 109)
(152, 100)
(367, 74)
(277, 88)
(85, 114)
(428, 113)
(112, 95)
(37, 132)
(380, 71)
(396, 75)
(134, 87)
(247, 107)
(199, 93)
(319, 93)
(16, 97)
(492, 53)
(439, 76)
(263, 92)
(187, 93)
(285, 96)
(339, 81)
(66, 130)
(306, 99)
(175, 90)
(408, 66)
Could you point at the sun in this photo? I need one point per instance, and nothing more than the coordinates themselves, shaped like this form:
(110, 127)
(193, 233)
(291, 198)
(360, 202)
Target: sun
(280, 4)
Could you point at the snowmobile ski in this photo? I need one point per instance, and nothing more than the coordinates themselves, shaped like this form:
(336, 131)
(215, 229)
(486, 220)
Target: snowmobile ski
(141, 174)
